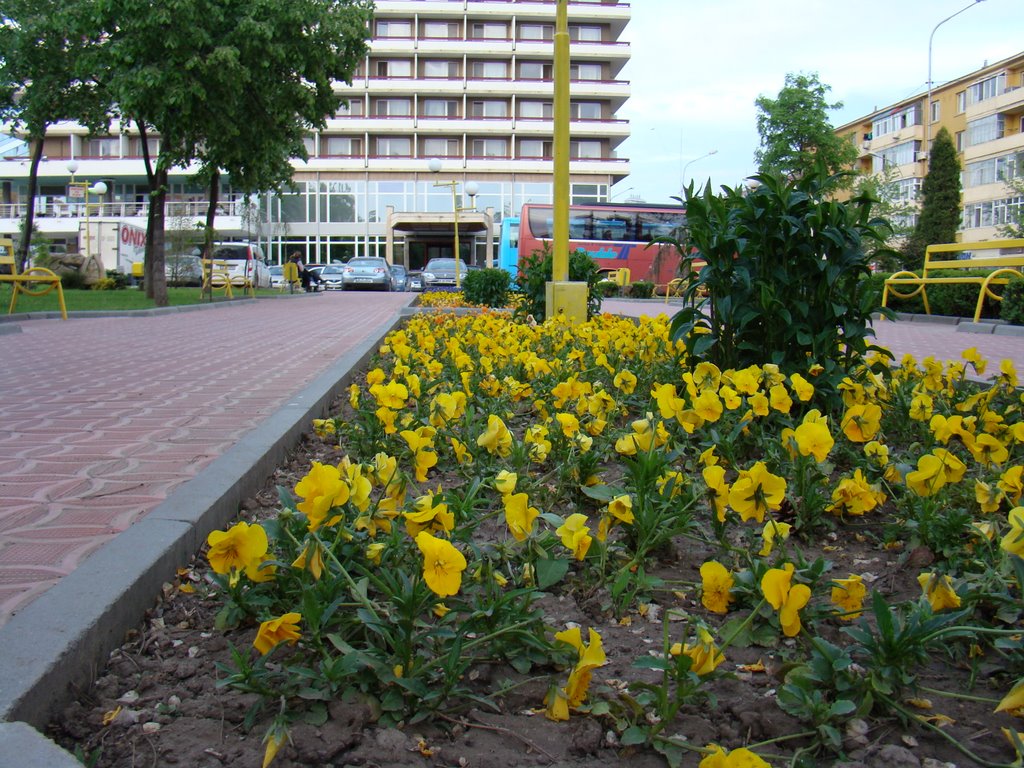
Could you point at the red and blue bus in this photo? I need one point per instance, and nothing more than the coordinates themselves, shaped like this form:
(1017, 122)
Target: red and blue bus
(616, 235)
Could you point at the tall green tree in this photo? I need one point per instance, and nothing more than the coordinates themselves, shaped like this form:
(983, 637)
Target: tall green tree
(227, 84)
(891, 207)
(48, 54)
(940, 202)
(1014, 227)
(796, 134)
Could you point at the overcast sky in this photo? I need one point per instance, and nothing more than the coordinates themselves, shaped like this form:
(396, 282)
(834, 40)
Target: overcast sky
(698, 65)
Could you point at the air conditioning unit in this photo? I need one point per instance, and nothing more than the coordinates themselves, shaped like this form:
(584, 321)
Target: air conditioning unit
(919, 156)
(866, 145)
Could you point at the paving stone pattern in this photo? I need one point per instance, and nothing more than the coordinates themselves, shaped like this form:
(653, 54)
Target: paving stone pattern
(102, 418)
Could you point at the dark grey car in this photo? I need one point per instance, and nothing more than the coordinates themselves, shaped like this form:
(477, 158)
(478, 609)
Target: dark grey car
(366, 272)
(441, 272)
(399, 278)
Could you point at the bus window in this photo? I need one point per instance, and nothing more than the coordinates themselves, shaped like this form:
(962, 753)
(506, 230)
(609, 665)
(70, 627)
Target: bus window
(616, 226)
(581, 225)
(653, 225)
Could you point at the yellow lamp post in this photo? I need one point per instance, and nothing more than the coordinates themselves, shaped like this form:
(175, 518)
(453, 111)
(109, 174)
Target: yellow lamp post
(562, 296)
(471, 189)
(82, 190)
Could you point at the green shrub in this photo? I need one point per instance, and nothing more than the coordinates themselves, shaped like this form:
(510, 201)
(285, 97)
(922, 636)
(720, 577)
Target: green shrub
(784, 278)
(535, 272)
(608, 288)
(1012, 309)
(119, 280)
(486, 287)
(72, 280)
(642, 289)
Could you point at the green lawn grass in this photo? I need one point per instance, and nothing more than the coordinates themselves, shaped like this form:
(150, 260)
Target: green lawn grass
(78, 300)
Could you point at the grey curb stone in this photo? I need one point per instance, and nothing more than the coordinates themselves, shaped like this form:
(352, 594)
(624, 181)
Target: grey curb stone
(58, 641)
(21, 746)
(1009, 330)
(970, 327)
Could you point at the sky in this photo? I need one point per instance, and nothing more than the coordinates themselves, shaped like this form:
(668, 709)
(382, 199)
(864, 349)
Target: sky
(697, 66)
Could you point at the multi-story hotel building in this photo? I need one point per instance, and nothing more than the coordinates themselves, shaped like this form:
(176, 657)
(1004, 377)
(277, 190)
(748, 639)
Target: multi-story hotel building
(984, 114)
(468, 82)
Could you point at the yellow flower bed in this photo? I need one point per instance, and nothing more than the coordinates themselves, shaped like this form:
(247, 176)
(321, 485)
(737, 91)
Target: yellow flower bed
(489, 461)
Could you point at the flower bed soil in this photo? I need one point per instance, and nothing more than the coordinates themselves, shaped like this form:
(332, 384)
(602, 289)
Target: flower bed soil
(157, 701)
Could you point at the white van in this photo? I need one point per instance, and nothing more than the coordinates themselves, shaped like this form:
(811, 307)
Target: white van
(246, 261)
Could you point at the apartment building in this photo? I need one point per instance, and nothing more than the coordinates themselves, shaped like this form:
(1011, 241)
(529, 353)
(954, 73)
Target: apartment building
(984, 113)
(467, 84)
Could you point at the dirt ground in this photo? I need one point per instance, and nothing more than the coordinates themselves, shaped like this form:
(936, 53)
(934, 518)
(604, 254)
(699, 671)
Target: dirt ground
(157, 702)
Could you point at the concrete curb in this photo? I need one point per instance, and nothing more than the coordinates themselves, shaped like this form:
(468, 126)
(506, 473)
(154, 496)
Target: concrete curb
(57, 642)
(22, 746)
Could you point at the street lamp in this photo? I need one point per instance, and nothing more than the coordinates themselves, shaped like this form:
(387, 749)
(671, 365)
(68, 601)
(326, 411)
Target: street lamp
(471, 188)
(81, 189)
(682, 181)
(928, 104)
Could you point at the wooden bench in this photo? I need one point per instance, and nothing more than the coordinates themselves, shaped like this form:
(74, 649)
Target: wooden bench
(1004, 269)
(26, 282)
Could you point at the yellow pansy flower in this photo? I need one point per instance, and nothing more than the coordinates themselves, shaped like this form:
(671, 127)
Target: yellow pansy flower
(939, 591)
(236, 548)
(273, 632)
(716, 581)
(704, 654)
(575, 535)
(519, 515)
(848, 596)
(785, 597)
(443, 564)
(756, 491)
(1013, 541)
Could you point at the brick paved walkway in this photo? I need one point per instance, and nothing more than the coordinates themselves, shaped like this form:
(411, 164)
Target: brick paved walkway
(101, 418)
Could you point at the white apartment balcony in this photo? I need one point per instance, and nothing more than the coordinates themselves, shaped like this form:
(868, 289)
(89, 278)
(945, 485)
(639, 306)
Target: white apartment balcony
(1014, 142)
(984, 192)
(1009, 102)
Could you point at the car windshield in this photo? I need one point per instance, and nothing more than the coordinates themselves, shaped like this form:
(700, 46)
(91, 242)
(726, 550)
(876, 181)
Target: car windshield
(234, 252)
(331, 270)
(443, 265)
(277, 270)
(398, 270)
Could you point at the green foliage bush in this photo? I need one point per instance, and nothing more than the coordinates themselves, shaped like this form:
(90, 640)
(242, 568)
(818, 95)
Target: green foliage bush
(608, 288)
(535, 272)
(1012, 307)
(784, 278)
(72, 280)
(486, 287)
(642, 289)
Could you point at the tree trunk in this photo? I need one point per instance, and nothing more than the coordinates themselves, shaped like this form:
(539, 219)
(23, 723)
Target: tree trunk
(155, 240)
(30, 205)
(211, 213)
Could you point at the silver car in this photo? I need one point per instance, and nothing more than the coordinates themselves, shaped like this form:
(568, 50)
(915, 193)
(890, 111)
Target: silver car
(399, 278)
(441, 273)
(367, 272)
(332, 277)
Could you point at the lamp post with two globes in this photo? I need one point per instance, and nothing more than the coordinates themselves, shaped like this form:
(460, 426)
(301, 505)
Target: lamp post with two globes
(471, 188)
(81, 189)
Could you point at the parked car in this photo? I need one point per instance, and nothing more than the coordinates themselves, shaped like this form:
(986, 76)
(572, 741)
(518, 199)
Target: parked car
(277, 276)
(332, 277)
(414, 281)
(441, 273)
(367, 272)
(399, 278)
(246, 260)
(317, 284)
(183, 269)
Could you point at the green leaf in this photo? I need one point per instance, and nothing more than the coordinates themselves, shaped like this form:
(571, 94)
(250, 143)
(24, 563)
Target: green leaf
(316, 715)
(652, 662)
(842, 707)
(551, 571)
(633, 735)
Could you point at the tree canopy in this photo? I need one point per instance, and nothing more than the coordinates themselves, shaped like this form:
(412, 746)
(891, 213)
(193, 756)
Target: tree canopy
(795, 131)
(229, 85)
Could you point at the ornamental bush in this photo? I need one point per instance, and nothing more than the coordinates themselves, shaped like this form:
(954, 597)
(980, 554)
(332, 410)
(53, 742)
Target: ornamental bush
(1012, 308)
(486, 287)
(642, 289)
(784, 277)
